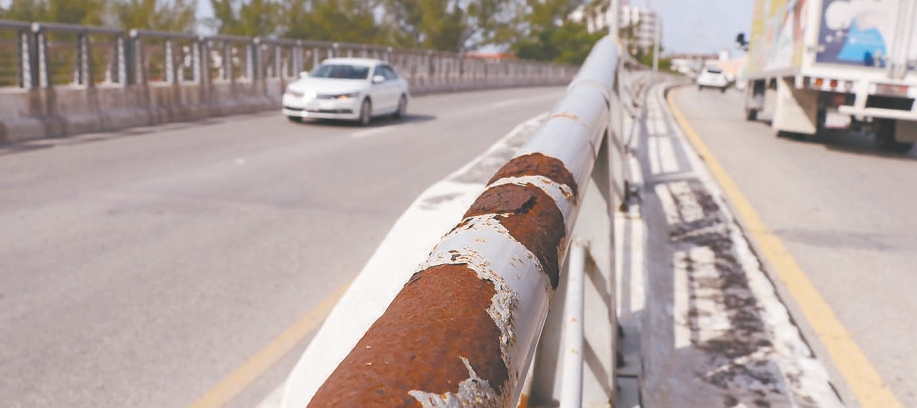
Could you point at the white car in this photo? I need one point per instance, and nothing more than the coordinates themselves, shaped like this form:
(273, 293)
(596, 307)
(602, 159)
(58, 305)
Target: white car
(347, 88)
(712, 78)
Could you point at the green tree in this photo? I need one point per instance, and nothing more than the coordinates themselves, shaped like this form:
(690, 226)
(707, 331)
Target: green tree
(170, 15)
(446, 25)
(88, 12)
(545, 32)
(335, 20)
(251, 18)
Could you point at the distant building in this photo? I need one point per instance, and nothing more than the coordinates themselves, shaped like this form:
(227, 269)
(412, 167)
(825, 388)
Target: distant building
(597, 18)
(645, 22)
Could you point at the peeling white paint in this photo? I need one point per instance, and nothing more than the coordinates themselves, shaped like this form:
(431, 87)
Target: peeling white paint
(523, 291)
(473, 392)
(561, 193)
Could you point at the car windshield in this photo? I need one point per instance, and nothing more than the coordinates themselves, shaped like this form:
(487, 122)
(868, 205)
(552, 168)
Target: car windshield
(340, 71)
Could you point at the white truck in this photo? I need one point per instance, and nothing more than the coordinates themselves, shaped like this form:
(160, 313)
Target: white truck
(818, 64)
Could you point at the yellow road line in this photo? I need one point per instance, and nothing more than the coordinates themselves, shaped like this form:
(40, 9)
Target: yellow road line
(847, 356)
(245, 375)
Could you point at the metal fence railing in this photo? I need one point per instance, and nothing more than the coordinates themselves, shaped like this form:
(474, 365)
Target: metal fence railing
(34, 55)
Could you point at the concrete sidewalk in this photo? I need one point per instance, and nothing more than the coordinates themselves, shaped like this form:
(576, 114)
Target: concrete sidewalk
(711, 330)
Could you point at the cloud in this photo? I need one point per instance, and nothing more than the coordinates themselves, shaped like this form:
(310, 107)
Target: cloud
(867, 14)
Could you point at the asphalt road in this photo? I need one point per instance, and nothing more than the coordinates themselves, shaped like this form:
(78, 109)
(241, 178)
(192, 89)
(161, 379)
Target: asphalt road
(140, 268)
(846, 212)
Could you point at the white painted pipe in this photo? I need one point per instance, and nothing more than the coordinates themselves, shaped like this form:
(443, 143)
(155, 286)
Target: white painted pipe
(572, 372)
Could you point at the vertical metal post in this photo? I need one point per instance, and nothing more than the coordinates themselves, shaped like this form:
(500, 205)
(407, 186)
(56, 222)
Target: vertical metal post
(25, 59)
(197, 65)
(278, 55)
(251, 60)
(170, 61)
(45, 80)
(80, 60)
(131, 63)
(226, 69)
(572, 371)
(656, 40)
(614, 18)
(203, 63)
(120, 62)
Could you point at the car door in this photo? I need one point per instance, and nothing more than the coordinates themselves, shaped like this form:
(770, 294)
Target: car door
(397, 84)
(383, 101)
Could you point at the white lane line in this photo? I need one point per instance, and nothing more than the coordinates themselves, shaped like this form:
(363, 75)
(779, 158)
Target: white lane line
(653, 153)
(509, 102)
(688, 206)
(636, 175)
(667, 156)
(712, 319)
(371, 132)
(637, 254)
(680, 304)
(668, 204)
(661, 128)
(633, 129)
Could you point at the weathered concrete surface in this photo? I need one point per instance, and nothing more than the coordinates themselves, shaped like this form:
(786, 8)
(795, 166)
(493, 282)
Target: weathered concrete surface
(713, 331)
(845, 211)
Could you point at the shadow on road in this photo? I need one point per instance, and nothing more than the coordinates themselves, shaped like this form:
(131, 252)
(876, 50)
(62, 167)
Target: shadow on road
(848, 141)
(376, 123)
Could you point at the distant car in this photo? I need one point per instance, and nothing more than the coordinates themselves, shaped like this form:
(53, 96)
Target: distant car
(347, 88)
(710, 77)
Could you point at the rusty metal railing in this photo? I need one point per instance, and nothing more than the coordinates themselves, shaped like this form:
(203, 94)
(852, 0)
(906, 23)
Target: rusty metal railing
(463, 330)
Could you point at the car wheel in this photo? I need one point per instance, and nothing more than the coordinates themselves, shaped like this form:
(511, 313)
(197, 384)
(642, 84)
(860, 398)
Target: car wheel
(366, 113)
(700, 87)
(402, 110)
(296, 119)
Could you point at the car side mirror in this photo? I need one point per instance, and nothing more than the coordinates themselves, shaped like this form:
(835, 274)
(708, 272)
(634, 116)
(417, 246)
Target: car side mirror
(378, 79)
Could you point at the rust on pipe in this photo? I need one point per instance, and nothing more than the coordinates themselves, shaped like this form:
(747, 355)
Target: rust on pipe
(531, 216)
(537, 164)
(427, 342)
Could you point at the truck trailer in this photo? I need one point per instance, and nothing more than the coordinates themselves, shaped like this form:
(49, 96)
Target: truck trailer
(823, 64)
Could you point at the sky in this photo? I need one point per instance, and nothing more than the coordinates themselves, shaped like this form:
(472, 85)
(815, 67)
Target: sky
(700, 26)
(695, 26)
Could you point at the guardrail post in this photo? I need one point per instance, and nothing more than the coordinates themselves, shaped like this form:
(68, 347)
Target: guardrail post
(44, 69)
(197, 66)
(118, 69)
(572, 372)
(131, 65)
(170, 61)
(26, 48)
(252, 60)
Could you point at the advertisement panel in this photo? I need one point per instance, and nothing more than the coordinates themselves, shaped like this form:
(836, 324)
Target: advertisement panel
(857, 32)
(778, 35)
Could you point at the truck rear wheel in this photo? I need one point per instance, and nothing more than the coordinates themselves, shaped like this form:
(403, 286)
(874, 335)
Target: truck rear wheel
(751, 115)
(885, 137)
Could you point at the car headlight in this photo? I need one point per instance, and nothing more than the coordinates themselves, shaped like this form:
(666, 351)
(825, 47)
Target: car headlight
(346, 96)
(294, 93)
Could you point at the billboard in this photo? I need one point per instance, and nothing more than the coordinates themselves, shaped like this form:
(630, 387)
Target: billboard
(857, 32)
(777, 35)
